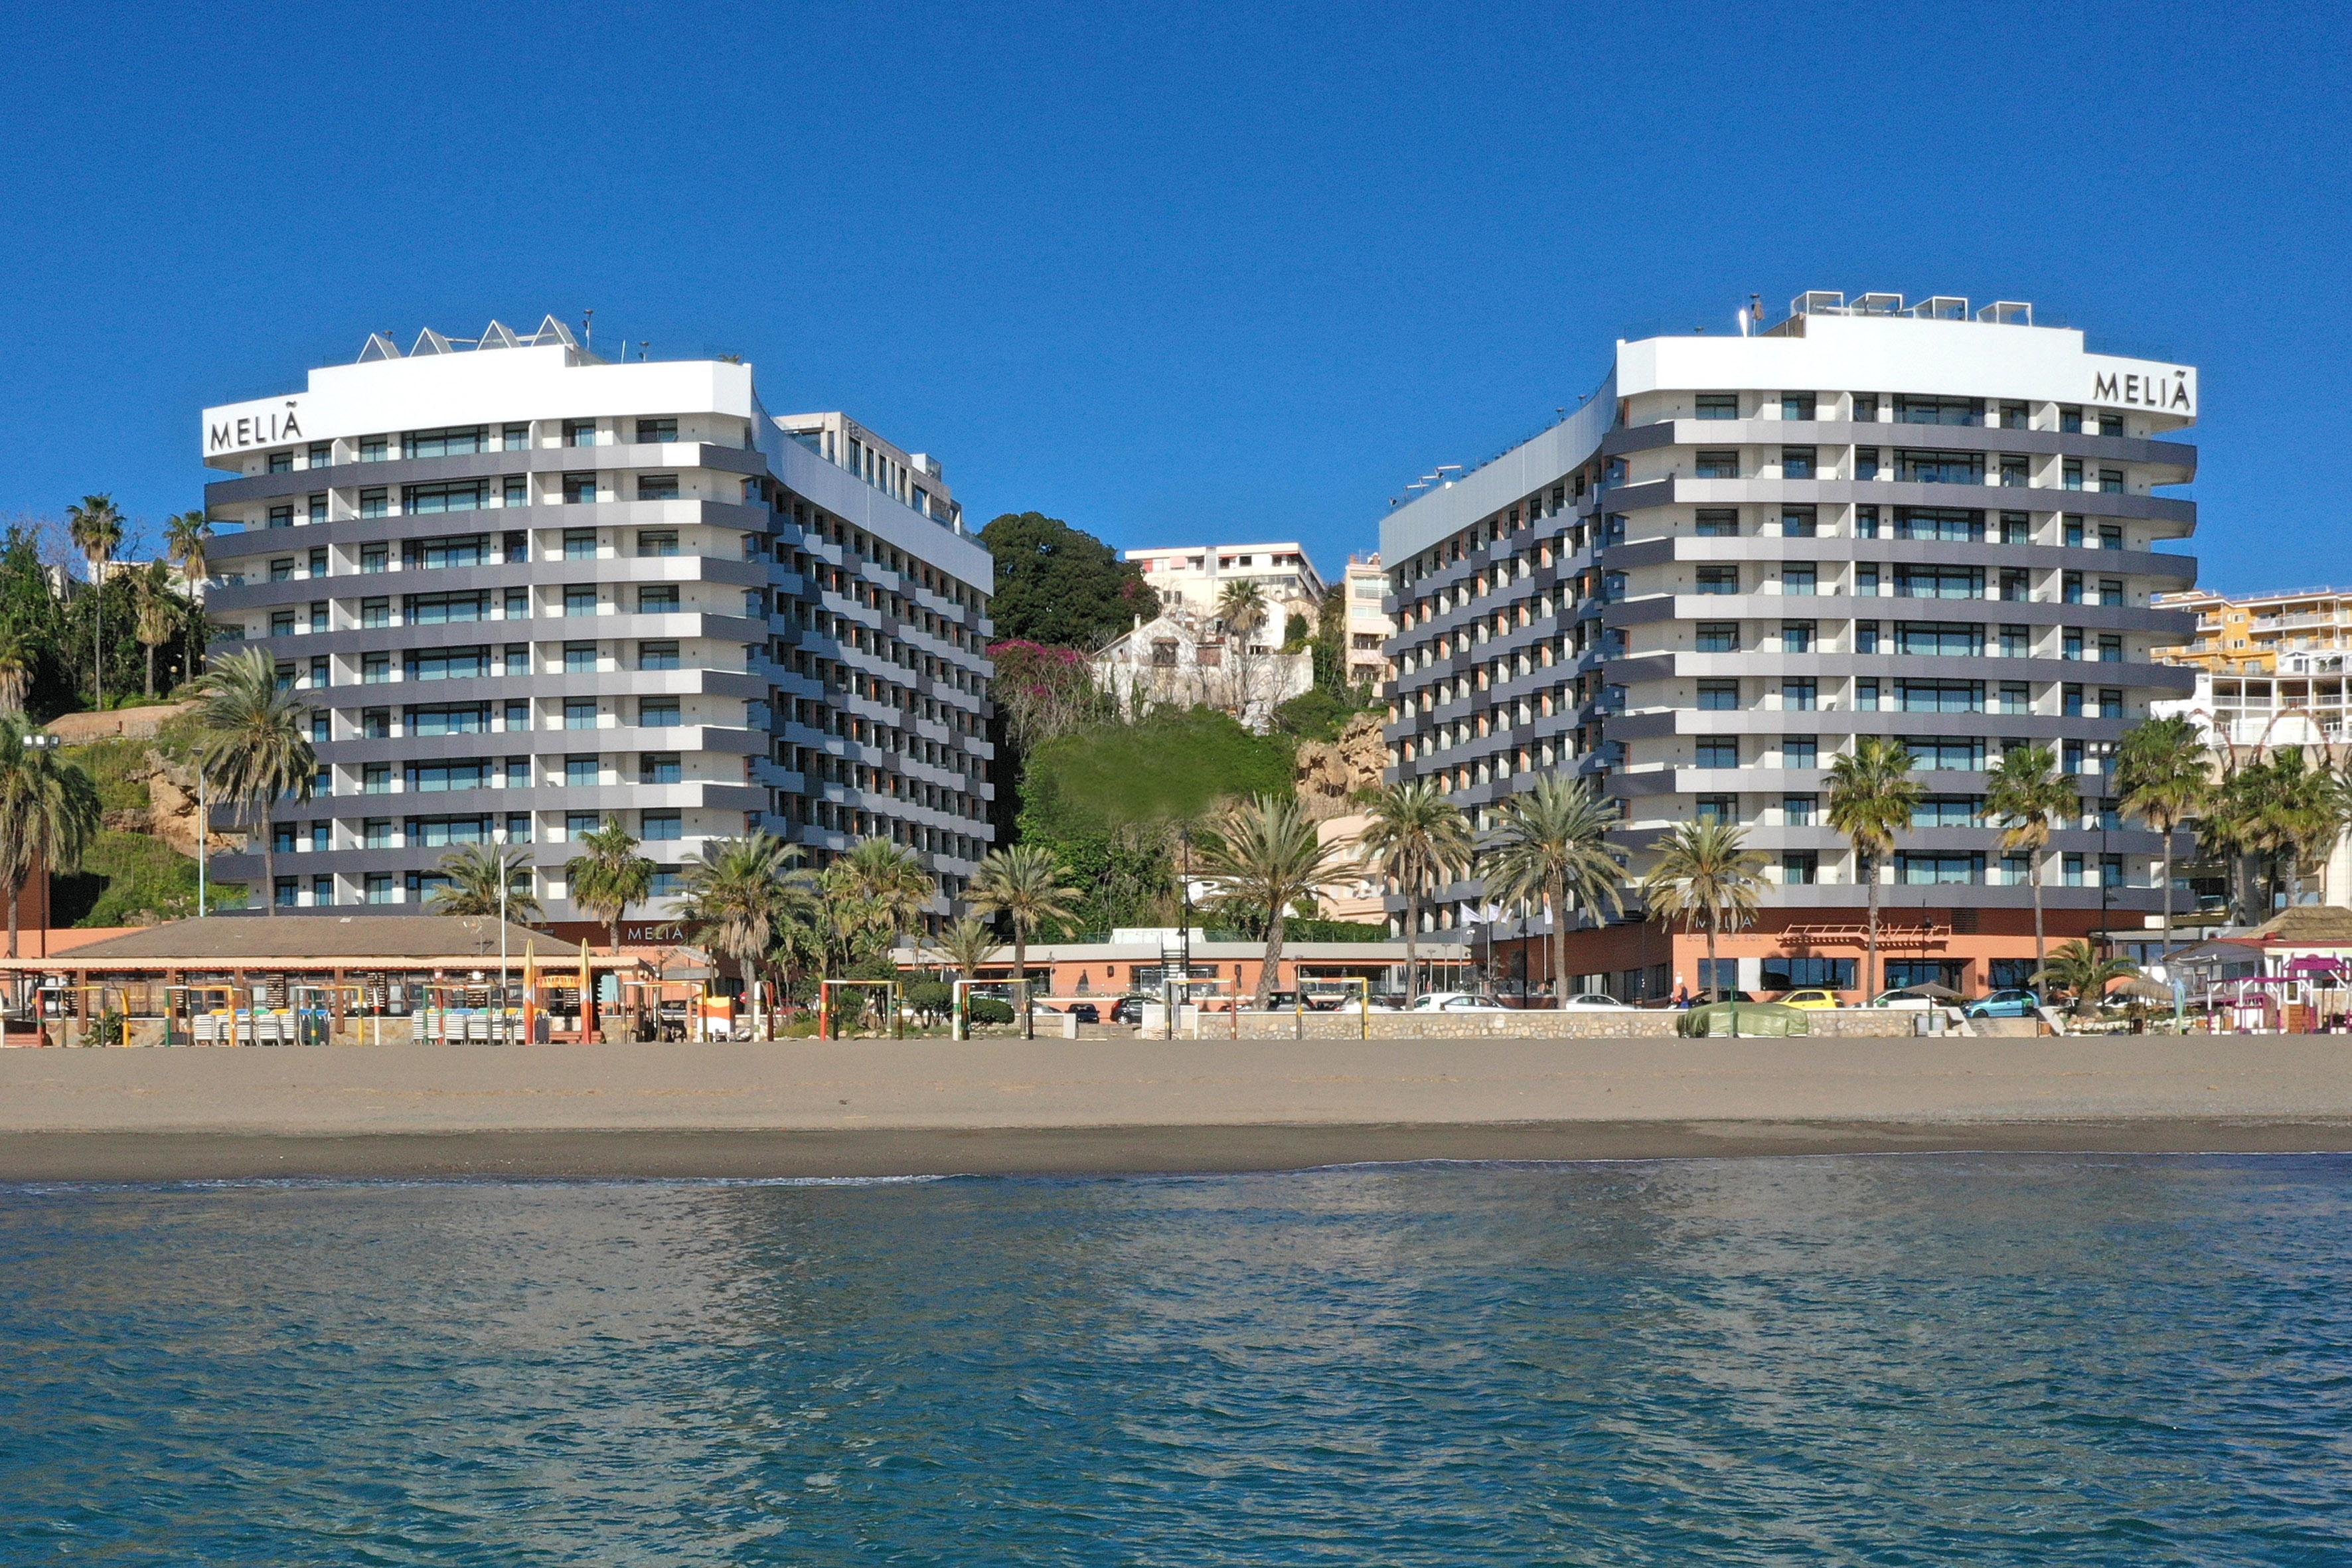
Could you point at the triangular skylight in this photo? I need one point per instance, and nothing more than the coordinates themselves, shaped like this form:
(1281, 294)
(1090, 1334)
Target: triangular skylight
(379, 347)
(551, 331)
(496, 336)
(429, 341)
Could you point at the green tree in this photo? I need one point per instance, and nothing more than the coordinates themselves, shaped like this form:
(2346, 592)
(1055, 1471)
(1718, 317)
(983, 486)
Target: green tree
(254, 745)
(1026, 885)
(1872, 798)
(49, 813)
(1418, 841)
(1550, 844)
(1704, 876)
(608, 876)
(2164, 775)
(891, 879)
(187, 544)
(96, 529)
(965, 946)
(2077, 970)
(1265, 855)
(1058, 584)
(159, 611)
(19, 660)
(1241, 609)
(472, 874)
(734, 894)
(2028, 797)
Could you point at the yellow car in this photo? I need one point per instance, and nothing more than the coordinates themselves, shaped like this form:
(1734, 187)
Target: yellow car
(1812, 1001)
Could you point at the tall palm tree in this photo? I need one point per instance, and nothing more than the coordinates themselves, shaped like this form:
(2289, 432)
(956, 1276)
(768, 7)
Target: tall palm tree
(159, 611)
(1549, 843)
(474, 873)
(2302, 814)
(49, 813)
(96, 529)
(1872, 798)
(1242, 606)
(609, 875)
(2077, 968)
(2028, 795)
(187, 544)
(965, 946)
(1418, 841)
(254, 744)
(1027, 885)
(2164, 775)
(891, 878)
(732, 898)
(1704, 874)
(19, 657)
(1265, 855)
(2230, 829)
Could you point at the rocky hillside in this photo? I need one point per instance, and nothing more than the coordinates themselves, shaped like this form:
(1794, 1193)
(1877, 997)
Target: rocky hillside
(1332, 773)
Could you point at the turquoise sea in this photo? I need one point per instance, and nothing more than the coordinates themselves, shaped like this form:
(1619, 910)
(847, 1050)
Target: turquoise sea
(1896, 1360)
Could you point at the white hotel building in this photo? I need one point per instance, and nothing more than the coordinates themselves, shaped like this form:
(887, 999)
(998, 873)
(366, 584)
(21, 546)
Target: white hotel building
(1744, 551)
(526, 592)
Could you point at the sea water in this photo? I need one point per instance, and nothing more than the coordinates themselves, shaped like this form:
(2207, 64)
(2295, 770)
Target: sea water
(1894, 1359)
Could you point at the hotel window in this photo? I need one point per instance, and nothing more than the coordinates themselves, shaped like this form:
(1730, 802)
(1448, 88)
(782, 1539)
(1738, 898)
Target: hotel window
(375, 723)
(1865, 522)
(1718, 637)
(661, 827)
(1799, 522)
(2111, 590)
(581, 772)
(374, 449)
(1722, 809)
(579, 490)
(2069, 587)
(2111, 481)
(321, 456)
(657, 655)
(518, 826)
(1800, 751)
(1866, 579)
(2013, 417)
(1939, 696)
(656, 487)
(2111, 870)
(282, 838)
(376, 669)
(661, 768)
(2069, 421)
(1718, 466)
(1938, 582)
(2110, 424)
(2016, 696)
(1797, 636)
(1865, 408)
(1718, 522)
(668, 882)
(281, 516)
(653, 542)
(580, 599)
(1800, 577)
(442, 777)
(579, 712)
(1799, 694)
(376, 779)
(2013, 472)
(317, 508)
(1719, 695)
(579, 658)
(1938, 410)
(516, 437)
(379, 888)
(1866, 462)
(1800, 810)
(2111, 647)
(2016, 870)
(1948, 811)
(517, 605)
(580, 823)
(2071, 531)
(518, 716)
(1916, 869)
(658, 712)
(2073, 870)
(659, 599)
(579, 545)
(2073, 473)
(375, 503)
(2069, 643)
(1866, 637)
(2111, 702)
(2016, 584)
(455, 442)
(517, 772)
(514, 545)
(516, 658)
(285, 894)
(515, 490)
(375, 557)
(579, 432)
(281, 623)
(1948, 753)
(2071, 755)
(1719, 752)
(445, 609)
(1865, 696)
(654, 431)
(281, 569)
(1797, 406)
(1718, 579)
(2111, 536)
(281, 462)
(1718, 405)
(2016, 528)
(1796, 462)
(318, 615)
(1925, 468)
(377, 833)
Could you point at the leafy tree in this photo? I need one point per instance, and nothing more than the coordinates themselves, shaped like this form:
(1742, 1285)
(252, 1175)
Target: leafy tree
(2077, 970)
(187, 544)
(1058, 584)
(1552, 843)
(1704, 874)
(2165, 775)
(1418, 841)
(734, 896)
(1872, 798)
(96, 529)
(1294, 633)
(1027, 886)
(891, 878)
(1267, 856)
(2029, 796)
(965, 946)
(19, 659)
(159, 612)
(254, 746)
(1241, 609)
(609, 875)
(49, 813)
(472, 874)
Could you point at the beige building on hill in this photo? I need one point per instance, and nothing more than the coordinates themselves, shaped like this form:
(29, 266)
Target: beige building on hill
(1181, 660)
(2247, 635)
(1193, 578)
(1369, 624)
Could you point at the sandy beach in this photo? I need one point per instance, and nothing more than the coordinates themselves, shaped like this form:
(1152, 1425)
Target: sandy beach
(876, 1108)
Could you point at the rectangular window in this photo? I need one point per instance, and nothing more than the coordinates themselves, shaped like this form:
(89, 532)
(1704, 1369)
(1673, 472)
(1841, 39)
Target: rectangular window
(1718, 405)
(471, 496)
(2016, 641)
(449, 664)
(1799, 522)
(1911, 410)
(657, 542)
(2069, 421)
(2012, 417)
(518, 826)
(1799, 694)
(1946, 524)
(1865, 522)
(1802, 578)
(579, 490)
(660, 599)
(1719, 695)
(455, 442)
(1946, 753)
(517, 605)
(317, 508)
(450, 719)
(1718, 466)
(375, 503)
(2016, 696)
(1719, 752)
(579, 432)
(657, 655)
(580, 598)
(1948, 811)
(517, 438)
(375, 723)
(518, 716)
(1796, 462)
(2111, 647)
(580, 823)
(281, 622)
(2072, 474)
(1866, 637)
(2111, 481)
(579, 658)
(1914, 870)
(1806, 974)
(1800, 751)
(1939, 696)
(441, 609)
(582, 771)
(2111, 590)
(1716, 579)
(1951, 639)
(1797, 636)
(1865, 408)
(579, 712)
(2069, 587)
(1718, 637)
(1800, 810)
(659, 768)
(1865, 695)
(1916, 467)
(438, 778)
(579, 545)
(2013, 471)
(2110, 424)
(652, 432)
(517, 772)
(1866, 463)
(281, 516)
(286, 892)
(374, 558)
(1866, 579)
(656, 487)
(1721, 809)
(281, 569)
(514, 491)
(661, 827)
(1797, 406)
(1799, 868)
(2016, 584)
(658, 712)
(375, 778)
(281, 462)
(1718, 522)
(2111, 702)
(1912, 582)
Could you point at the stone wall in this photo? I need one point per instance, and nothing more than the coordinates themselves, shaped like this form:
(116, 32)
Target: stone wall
(1531, 1025)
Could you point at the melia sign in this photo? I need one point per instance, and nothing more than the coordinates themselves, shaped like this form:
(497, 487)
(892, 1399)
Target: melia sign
(2154, 389)
(252, 430)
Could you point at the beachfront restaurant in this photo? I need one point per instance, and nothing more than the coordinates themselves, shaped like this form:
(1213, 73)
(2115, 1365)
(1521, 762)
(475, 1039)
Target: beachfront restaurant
(1144, 961)
(246, 979)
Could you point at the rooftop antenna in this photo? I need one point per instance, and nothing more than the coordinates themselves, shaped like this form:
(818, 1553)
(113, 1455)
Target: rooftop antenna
(588, 330)
(642, 346)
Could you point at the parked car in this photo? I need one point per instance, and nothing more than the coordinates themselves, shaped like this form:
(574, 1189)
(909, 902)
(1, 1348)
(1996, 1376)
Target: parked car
(1289, 1002)
(1812, 1001)
(2013, 1002)
(1126, 1010)
(1454, 1002)
(1909, 1000)
(1594, 1002)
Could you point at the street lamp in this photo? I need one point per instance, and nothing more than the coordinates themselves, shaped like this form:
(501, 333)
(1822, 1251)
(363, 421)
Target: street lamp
(498, 838)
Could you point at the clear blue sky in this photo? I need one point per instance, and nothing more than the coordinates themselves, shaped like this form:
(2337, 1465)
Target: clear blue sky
(1230, 272)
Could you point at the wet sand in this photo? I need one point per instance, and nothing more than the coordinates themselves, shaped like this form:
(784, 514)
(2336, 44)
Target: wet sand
(882, 1107)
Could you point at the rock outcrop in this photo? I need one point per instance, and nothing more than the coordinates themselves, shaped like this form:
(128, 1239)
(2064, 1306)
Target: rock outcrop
(1331, 773)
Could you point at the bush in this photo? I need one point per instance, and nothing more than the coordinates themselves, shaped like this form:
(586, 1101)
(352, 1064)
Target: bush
(1318, 714)
(931, 996)
(1298, 930)
(127, 878)
(118, 770)
(989, 1010)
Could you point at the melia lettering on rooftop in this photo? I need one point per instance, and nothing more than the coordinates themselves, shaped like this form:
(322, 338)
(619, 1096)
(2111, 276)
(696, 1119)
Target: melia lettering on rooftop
(252, 430)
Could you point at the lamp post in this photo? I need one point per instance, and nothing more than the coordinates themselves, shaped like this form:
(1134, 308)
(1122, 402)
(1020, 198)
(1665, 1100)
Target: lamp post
(204, 823)
(498, 838)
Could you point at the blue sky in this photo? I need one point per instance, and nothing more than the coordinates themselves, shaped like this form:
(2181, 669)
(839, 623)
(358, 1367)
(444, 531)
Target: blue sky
(1218, 271)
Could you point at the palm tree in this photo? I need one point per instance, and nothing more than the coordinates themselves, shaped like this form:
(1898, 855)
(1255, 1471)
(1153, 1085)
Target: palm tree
(96, 529)
(1705, 874)
(1418, 841)
(2165, 777)
(2302, 814)
(1242, 607)
(965, 946)
(159, 611)
(1027, 885)
(473, 874)
(254, 744)
(2077, 968)
(891, 879)
(609, 876)
(1872, 798)
(734, 896)
(187, 544)
(1267, 856)
(18, 658)
(1549, 843)
(2029, 796)
(2230, 829)
(49, 813)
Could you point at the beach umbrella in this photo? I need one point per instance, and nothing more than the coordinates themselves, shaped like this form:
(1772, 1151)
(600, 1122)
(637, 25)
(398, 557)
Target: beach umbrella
(587, 994)
(2147, 990)
(1934, 993)
(530, 982)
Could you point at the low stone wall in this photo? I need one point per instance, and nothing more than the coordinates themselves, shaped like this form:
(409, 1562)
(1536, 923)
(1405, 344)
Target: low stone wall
(1533, 1024)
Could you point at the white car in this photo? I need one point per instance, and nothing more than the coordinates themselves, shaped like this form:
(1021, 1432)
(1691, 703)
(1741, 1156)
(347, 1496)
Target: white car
(1453, 1002)
(1594, 1002)
(1909, 1001)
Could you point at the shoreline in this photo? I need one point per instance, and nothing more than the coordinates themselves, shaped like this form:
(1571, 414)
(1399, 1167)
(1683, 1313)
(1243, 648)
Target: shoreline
(592, 1154)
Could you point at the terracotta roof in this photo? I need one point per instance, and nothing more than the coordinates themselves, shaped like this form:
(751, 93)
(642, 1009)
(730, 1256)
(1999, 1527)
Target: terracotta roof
(309, 941)
(2327, 924)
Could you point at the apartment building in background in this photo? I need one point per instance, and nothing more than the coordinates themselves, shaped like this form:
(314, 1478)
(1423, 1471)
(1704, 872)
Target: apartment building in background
(1741, 553)
(2249, 634)
(525, 591)
(1368, 624)
(1193, 580)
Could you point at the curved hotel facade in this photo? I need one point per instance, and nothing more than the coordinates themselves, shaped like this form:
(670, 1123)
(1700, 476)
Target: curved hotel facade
(1744, 551)
(527, 591)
